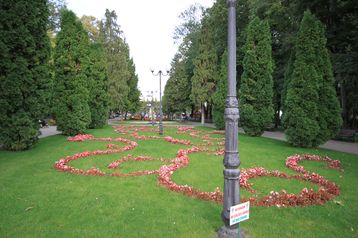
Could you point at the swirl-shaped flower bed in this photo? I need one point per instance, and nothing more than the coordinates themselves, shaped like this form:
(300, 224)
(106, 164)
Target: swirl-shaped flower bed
(327, 189)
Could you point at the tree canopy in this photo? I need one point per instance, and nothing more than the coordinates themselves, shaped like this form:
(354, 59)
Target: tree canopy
(71, 57)
(25, 81)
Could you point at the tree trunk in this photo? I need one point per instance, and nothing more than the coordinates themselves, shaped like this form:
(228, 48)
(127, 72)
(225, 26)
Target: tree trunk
(277, 115)
(206, 111)
(343, 104)
(211, 111)
(202, 114)
(125, 116)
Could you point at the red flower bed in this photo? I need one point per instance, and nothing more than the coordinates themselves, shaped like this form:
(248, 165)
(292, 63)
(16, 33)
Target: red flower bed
(176, 141)
(306, 197)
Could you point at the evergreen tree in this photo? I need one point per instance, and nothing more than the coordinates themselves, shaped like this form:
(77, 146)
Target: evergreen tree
(329, 119)
(313, 69)
(205, 76)
(176, 92)
(256, 90)
(71, 95)
(98, 87)
(169, 105)
(116, 61)
(301, 104)
(219, 97)
(133, 103)
(24, 73)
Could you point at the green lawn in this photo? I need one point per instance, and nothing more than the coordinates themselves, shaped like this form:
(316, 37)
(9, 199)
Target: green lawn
(38, 201)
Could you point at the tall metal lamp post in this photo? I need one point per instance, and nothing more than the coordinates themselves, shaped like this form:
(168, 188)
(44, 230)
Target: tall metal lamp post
(231, 158)
(160, 73)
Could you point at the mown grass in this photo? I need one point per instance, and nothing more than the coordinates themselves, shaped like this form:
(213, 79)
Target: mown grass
(38, 201)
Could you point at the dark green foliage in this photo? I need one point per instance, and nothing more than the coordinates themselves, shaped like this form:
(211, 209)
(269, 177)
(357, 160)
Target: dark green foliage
(117, 61)
(256, 90)
(329, 118)
(176, 92)
(340, 19)
(283, 26)
(312, 114)
(71, 95)
(205, 66)
(220, 94)
(188, 33)
(98, 87)
(24, 73)
(133, 102)
(205, 71)
(301, 112)
(217, 17)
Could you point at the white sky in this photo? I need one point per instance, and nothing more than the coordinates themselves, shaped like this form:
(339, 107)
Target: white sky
(148, 27)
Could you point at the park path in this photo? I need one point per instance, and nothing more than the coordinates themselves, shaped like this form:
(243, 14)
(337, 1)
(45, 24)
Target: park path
(342, 146)
(348, 147)
(49, 131)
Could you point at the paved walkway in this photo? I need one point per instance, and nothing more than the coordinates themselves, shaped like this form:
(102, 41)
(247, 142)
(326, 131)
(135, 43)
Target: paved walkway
(49, 131)
(348, 147)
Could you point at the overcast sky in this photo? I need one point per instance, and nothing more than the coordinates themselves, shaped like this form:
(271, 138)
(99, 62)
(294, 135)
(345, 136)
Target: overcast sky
(148, 27)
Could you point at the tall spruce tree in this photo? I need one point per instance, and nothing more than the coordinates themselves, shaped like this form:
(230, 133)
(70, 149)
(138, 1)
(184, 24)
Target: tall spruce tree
(220, 94)
(205, 75)
(116, 61)
(98, 86)
(24, 73)
(302, 98)
(256, 90)
(71, 94)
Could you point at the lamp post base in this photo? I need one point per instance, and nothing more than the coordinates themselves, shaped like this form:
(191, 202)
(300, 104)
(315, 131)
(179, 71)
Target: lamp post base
(160, 128)
(226, 232)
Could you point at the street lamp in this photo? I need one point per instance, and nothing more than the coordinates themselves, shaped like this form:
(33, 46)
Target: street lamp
(231, 158)
(160, 73)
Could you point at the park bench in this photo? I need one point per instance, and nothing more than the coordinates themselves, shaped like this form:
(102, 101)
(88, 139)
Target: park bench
(346, 135)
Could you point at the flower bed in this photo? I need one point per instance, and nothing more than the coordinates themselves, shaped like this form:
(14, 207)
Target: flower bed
(305, 197)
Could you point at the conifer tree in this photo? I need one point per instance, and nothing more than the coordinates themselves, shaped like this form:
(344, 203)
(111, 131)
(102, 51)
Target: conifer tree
(312, 113)
(116, 61)
(24, 72)
(329, 118)
(98, 87)
(205, 75)
(301, 104)
(177, 89)
(134, 93)
(71, 94)
(220, 94)
(256, 91)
